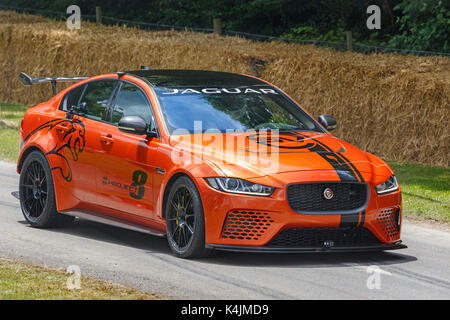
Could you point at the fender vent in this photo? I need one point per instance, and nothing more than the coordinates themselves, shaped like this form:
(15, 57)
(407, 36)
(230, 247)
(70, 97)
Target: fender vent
(246, 225)
(388, 222)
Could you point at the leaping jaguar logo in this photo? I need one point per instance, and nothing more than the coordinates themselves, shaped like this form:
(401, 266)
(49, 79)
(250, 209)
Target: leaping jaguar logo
(328, 194)
(73, 140)
(298, 142)
(284, 140)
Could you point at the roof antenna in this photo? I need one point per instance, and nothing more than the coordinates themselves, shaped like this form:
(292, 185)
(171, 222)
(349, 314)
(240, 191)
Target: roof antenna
(145, 68)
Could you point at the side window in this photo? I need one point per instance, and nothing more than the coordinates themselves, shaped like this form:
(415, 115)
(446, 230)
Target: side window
(131, 101)
(96, 97)
(72, 98)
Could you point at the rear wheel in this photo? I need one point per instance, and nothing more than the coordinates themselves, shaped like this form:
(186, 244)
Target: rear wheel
(37, 196)
(185, 220)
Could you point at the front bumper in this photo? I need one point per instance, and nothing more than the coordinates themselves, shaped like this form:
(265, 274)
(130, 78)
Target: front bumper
(269, 249)
(247, 223)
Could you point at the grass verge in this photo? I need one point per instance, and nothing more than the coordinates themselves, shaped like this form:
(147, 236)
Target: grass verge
(426, 189)
(9, 138)
(12, 112)
(9, 144)
(21, 281)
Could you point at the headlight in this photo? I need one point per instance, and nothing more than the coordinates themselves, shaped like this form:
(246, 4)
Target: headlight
(389, 185)
(240, 186)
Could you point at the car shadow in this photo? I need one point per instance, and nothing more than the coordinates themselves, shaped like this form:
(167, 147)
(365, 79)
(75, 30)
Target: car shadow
(158, 245)
(310, 260)
(114, 235)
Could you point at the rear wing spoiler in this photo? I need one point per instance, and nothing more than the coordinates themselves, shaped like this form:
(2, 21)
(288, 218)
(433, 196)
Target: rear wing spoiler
(29, 81)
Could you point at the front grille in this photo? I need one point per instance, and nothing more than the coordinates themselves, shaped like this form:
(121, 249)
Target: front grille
(309, 197)
(248, 225)
(316, 237)
(388, 222)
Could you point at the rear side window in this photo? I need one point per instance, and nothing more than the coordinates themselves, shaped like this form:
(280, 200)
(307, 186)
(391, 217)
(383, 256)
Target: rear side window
(96, 97)
(131, 101)
(72, 98)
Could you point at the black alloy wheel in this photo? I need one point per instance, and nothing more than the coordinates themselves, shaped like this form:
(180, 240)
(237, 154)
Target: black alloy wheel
(34, 190)
(185, 222)
(37, 195)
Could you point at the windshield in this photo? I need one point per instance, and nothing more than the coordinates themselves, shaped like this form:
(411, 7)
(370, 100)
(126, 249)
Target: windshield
(235, 109)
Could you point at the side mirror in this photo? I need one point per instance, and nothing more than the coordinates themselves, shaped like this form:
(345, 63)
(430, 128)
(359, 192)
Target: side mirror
(329, 122)
(133, 124)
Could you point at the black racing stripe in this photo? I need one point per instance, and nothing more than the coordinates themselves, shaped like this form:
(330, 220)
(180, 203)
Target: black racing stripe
(363, 218)
(336, 160)
(343, 167)
(343, 170)
(346, 171)
(349, 220)
(361, 179)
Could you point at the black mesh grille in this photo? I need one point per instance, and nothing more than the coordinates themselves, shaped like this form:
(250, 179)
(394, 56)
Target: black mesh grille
(310, 196)
(315, 237)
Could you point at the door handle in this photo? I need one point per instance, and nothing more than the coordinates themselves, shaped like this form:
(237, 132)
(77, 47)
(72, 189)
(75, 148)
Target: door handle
(107, 140)
(61, 128)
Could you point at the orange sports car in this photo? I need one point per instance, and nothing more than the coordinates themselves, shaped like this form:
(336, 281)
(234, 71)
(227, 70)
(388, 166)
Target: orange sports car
(211, 160)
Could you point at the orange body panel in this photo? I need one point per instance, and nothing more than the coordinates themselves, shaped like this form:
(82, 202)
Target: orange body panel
(98, 176)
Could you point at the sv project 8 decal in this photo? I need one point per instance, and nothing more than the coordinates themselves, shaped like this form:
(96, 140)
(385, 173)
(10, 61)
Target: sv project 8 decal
(139, 179)
(72, 138)
(343, 167)
(136, 189)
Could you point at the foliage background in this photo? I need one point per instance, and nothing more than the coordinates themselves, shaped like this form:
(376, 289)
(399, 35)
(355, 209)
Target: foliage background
(406, 24)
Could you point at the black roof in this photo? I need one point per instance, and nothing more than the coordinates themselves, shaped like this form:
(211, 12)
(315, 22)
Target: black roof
(194, 78)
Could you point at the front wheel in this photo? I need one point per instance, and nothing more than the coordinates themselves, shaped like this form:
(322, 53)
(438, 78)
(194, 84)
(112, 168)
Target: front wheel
(185, 221)
(37, 197)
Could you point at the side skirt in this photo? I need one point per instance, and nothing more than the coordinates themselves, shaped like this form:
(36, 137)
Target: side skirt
(115, 222)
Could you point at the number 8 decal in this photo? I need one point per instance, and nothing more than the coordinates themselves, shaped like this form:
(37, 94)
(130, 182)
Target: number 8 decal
(139, 179)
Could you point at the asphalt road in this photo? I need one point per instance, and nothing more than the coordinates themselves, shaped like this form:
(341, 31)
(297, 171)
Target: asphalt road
(144, 262)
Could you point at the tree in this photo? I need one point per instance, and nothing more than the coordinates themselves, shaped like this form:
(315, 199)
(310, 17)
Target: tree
(424, 25)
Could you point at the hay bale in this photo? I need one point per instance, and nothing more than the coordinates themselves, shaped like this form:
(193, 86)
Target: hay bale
(7, 125)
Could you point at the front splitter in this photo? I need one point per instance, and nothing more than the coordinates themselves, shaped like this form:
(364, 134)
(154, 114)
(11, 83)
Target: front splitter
(377, 247)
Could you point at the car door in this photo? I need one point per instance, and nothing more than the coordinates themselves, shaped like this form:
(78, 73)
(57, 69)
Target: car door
(95, 96)
(127, 163)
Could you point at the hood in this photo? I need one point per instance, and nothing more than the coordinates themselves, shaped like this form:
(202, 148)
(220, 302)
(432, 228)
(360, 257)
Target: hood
(252, 155)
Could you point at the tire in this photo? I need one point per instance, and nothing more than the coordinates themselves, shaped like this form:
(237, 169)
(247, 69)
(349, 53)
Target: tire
(185, 220)
(37, 195)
